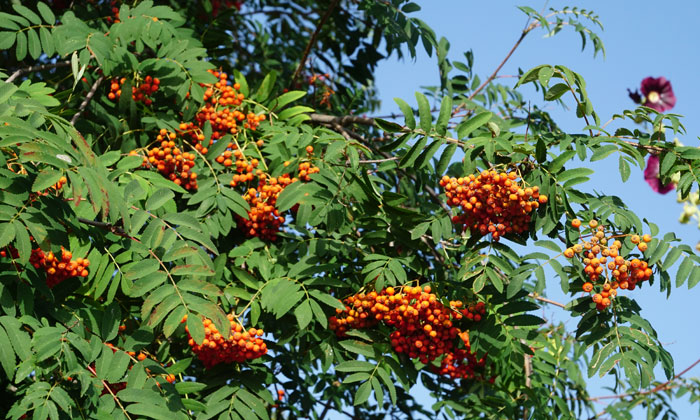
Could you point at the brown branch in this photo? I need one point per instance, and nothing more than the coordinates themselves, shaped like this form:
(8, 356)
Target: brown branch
(656, 389)
(654, 150)
(389, 159)
(327, 406)
(106, 386)
(342, 120)
(500, 66)
(347, 133)
(661, 387)
(312, 40)
(87, 99)
(527, 364)
(345, 120)
(545, 300)
(40, 67)
(108, 226)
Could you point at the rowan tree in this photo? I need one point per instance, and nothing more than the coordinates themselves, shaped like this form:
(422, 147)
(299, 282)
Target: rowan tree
(201, 219)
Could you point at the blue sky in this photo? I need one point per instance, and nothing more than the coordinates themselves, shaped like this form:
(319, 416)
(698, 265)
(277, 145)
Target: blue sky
(642, 38)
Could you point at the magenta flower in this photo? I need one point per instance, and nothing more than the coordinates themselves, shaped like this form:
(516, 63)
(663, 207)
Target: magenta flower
(651, 176)
(658, 94)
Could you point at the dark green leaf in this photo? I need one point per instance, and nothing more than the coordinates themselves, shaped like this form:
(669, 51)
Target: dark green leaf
(444, 116)
(426, 118)
(407, 112)
(362, 394)
(158, 199)
(524, 320)
(467, 127)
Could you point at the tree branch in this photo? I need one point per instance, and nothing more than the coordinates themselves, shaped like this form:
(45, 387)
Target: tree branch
(389, 159)
(342, 120)
(108, 226)
(545, 300)
(500, 66)
(345, 120)
(656, 389)
(41, 67)
(347, 133)
(661, 387)
(87, 99)
(312, 40)
(106, 386)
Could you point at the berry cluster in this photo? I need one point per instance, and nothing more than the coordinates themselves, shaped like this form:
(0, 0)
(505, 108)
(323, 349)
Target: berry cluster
(245, 168)
(240, 345)
(221, 103)
(115, 12)
(474, 312)
(306, 169)
(171, 161)
(57, 186)
(322, 91)
(58, 269)
(461, 362)
(424, 328)
(115, 387)
(264, 220)
(492, 202)
(11, 251)
(141, 91)
(19, 169)
(604, 267)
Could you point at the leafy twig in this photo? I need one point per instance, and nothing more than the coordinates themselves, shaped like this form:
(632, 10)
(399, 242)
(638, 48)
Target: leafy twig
(41, 67)
(656, 389)
(112, 228)
(106, 386)
(312, 40)
(545, 300)
(87, 99)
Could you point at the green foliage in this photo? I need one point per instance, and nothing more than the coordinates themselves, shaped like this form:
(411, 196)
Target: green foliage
(373, 216)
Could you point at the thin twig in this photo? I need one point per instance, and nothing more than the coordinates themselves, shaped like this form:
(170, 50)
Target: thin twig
(106, 386)
(40, 67)
(660, 387)
(312, 40)
(500, 66)
(108, 226)
(657, 388)
(389, 159)
(545, 300)
(527, 365)
(87, 99)
(347, 133)
(342, 120)
(337, 122)
(327, 405)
